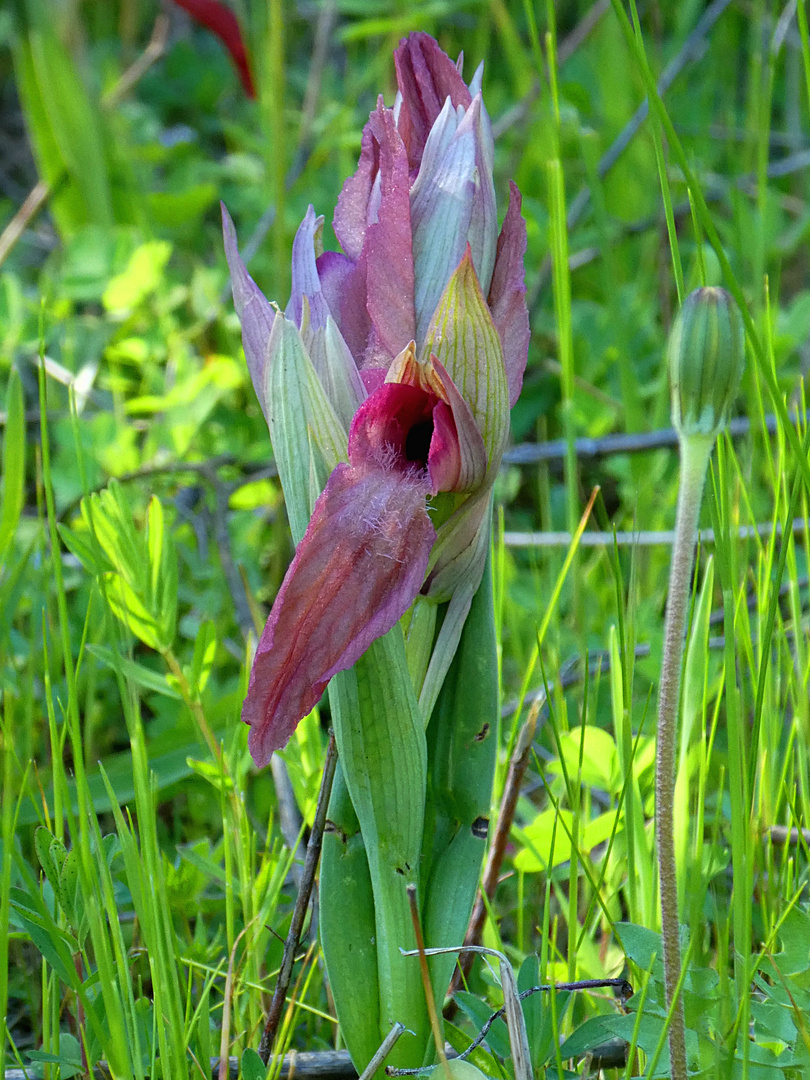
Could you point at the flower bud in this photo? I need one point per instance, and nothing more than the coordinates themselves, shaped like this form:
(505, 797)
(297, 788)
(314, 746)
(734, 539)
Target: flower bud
(706, 354)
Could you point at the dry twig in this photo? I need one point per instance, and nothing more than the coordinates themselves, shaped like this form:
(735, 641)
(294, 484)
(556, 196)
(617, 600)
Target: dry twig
(301, 904)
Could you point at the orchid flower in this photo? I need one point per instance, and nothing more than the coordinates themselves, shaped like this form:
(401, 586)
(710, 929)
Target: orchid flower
(417, 335)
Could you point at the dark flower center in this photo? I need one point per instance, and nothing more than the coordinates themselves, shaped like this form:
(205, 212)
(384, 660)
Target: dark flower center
(417, 442)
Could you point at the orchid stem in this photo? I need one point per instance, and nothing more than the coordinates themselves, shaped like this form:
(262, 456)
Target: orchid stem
(695, 453)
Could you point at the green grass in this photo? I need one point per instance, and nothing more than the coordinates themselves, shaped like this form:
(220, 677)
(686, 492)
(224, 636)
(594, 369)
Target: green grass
(146, 876)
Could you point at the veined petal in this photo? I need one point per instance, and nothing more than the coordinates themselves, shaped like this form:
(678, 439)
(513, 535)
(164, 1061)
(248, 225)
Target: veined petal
(302, 422)
(507, 295)
(426, 77)
(464, 340)
(305, 280)
(336, 369)
(254, 311)
(359, 566)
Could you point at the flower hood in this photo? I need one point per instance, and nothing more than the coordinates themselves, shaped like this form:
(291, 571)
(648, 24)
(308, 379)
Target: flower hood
(404, 353)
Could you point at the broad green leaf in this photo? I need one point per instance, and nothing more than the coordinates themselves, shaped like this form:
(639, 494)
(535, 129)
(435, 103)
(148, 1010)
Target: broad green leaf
(479, 1012)
(69, 1058)
(586, 1037)
(70, 895)
(251, 1065)
(543, 845)
(600, 758)
(55, 946)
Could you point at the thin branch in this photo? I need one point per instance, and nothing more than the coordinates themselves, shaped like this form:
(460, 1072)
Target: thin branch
(641, 538)
(622, 985)
(154, 50)
(587, 449)
(33, 203)
(301, 904)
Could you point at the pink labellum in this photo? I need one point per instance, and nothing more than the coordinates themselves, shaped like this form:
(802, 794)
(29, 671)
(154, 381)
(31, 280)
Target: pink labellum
(359, 566)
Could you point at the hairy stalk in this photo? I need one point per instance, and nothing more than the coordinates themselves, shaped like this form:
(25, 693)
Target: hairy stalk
(695, 452)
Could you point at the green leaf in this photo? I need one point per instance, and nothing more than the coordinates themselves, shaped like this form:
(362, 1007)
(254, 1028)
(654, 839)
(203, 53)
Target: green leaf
(586, 1037)
(639, 945)
(600, 758)
(479, 1012)
(136, 673)
(64, 123)
(205, 647)
(13, 463)
(163, 570)
(81, 545)
(70, 895)
(537, 852)
(251, 1065)
(69, 1058)
(141, 277)
(55, 946)
(128, 607)
(51, 854)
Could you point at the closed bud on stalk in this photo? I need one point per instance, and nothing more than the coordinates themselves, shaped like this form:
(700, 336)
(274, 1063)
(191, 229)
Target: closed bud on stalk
(706, 354)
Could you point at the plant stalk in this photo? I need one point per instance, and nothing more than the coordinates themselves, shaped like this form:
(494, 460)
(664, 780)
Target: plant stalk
(695, 453)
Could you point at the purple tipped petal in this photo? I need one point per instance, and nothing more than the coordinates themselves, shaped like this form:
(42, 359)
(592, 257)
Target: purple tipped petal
(359, 566)
(253, 309)
(351, 216)
(484, 221)
(305, 280)
(343, 284)
(507, 295)
(426, 77)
